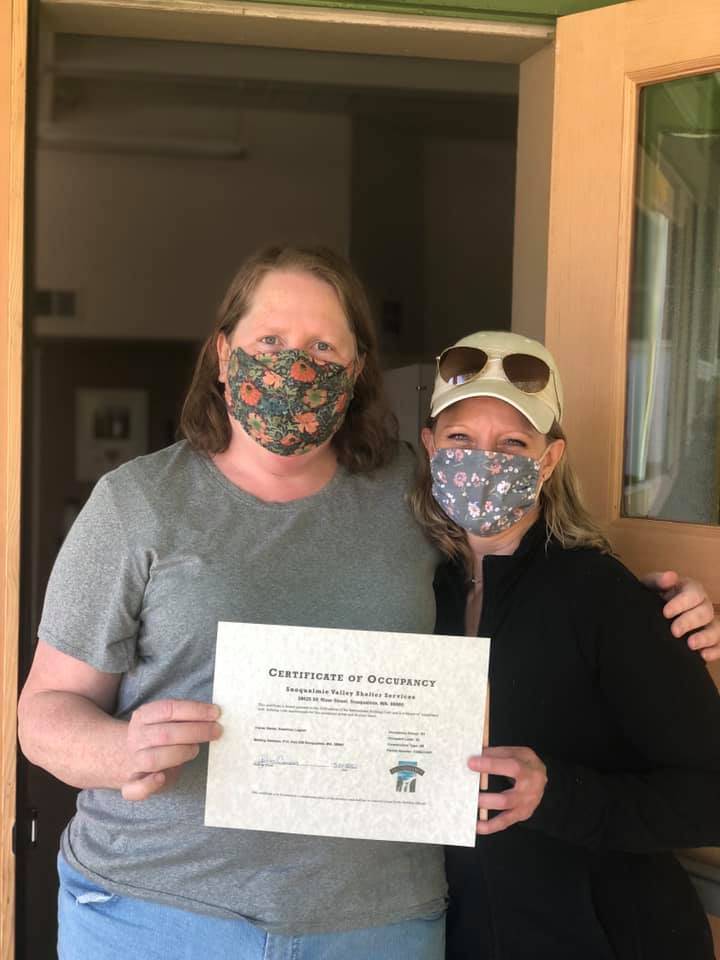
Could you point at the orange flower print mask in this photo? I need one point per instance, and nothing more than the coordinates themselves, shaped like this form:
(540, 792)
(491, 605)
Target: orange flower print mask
(287, 401)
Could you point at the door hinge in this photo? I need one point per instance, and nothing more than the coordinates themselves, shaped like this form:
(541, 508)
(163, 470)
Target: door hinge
(32, 831)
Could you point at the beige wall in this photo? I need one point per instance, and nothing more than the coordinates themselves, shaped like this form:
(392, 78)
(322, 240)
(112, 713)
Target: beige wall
(387, 229)
(149, 243)
(469, 196)
(532, 193)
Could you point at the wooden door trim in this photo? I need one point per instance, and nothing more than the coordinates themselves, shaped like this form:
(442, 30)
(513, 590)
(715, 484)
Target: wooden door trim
(309, 28)
(13, 39)
(626, 233)
(672, 71)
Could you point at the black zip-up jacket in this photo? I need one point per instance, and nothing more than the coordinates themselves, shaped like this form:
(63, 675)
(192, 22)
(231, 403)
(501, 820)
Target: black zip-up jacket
(584, 670)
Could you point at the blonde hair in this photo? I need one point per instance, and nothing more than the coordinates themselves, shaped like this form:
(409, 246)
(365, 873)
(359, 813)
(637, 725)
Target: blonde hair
(566, 517)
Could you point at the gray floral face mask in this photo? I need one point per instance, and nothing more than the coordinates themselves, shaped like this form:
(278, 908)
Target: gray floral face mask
(483, 491)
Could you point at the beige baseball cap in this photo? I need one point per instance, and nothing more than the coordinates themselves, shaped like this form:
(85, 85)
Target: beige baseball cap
(507, 366)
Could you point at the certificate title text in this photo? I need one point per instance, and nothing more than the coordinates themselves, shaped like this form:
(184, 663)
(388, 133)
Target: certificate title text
(350, 678)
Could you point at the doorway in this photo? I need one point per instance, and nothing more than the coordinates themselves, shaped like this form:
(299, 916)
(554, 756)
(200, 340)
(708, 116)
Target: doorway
(158, 166)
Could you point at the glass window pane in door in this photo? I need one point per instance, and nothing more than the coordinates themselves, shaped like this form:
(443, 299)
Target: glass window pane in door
(672, 435)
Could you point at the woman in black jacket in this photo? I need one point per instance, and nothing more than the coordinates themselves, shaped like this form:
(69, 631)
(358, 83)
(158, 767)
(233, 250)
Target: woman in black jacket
(614, 726)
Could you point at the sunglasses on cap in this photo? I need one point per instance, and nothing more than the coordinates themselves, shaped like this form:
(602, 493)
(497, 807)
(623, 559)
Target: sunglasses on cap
(458, 365)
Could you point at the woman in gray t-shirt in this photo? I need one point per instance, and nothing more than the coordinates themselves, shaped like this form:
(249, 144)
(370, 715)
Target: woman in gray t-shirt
(285, 503)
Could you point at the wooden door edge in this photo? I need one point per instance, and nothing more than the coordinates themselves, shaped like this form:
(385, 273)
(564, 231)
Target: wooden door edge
(13, 35)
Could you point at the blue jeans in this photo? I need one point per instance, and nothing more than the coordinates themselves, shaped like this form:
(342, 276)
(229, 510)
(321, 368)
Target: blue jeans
(96, 925)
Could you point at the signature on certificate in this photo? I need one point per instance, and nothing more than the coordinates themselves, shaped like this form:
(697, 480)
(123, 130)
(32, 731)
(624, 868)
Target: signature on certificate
(265, 760)
(280, 761)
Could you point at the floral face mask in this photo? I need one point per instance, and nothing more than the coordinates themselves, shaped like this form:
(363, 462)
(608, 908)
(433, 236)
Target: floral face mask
(483, 491)
(287, 401)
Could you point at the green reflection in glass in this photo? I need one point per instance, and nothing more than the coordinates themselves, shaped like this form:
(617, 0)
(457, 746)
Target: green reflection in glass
(672, 435)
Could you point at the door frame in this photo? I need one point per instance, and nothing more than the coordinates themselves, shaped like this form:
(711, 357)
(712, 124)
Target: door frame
(218, 21)
(13, 43)
(309, 28)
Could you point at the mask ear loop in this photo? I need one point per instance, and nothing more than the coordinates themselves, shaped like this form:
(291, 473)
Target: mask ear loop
(540, 476)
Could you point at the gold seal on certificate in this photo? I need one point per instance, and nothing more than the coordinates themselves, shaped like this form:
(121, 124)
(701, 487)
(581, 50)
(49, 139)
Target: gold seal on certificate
(347, 733)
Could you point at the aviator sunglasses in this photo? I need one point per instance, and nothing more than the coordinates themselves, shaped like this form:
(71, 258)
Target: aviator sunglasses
(458, 365)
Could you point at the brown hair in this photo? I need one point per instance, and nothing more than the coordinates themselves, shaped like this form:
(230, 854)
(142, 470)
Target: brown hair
(368, 437)
(566, 517)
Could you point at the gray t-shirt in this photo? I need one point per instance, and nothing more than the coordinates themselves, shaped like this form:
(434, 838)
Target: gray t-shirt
(167, 546)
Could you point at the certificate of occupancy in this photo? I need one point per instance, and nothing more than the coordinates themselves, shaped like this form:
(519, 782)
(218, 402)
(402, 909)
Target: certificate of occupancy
(347, 733)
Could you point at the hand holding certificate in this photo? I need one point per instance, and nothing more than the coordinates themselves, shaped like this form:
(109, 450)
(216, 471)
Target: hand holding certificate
(347, 733)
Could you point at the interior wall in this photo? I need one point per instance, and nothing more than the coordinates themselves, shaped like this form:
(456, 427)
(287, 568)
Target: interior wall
(150, 242)
(532, 193)
(432, 234)
(469, 200)
(386, 244)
